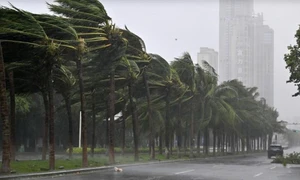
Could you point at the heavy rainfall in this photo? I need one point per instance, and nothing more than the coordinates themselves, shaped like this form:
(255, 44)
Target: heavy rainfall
(133, 90)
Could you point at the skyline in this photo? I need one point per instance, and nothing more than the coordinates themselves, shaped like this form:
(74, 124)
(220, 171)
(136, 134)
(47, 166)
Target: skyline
(159, 24)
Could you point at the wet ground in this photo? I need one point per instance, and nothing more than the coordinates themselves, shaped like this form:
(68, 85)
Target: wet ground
(248, 167)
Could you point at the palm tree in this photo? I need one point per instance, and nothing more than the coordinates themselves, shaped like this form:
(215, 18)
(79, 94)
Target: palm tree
(206, 83)
(166, 86)
(86, 20)
(185, 68)
(64, 82)
(150, 119)
(18, 22)
(136, 60)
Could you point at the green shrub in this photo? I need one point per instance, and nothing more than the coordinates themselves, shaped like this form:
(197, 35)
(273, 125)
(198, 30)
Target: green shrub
(293, 158)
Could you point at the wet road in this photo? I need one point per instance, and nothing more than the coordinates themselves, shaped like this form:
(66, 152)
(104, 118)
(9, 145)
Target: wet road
(223, 168)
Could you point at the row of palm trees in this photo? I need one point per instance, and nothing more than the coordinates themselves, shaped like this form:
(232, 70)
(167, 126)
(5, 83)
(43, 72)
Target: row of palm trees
(80, 54)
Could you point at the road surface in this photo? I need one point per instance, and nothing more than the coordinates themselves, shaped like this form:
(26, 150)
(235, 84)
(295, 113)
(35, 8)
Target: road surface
(250, 167)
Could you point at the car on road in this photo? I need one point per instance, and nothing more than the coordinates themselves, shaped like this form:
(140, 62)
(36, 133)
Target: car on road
(275, 150)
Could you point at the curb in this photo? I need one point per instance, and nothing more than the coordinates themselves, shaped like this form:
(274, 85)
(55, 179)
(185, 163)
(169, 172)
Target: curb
(84, 170)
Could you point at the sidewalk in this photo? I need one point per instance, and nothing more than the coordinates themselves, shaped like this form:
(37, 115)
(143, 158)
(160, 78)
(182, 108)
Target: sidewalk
(84, 170)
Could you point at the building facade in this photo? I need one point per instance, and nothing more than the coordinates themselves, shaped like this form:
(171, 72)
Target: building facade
(209, 55)
(246, 47)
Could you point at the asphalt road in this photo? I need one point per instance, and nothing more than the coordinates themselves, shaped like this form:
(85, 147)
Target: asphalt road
(223, 168)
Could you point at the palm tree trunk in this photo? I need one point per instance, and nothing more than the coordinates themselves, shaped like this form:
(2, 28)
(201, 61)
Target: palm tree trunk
(5, 168)
(107, 130)
(258, 144)
(46, 125)
(94, 124)
(51, 123)
(167, 124)
(226, 141)
(160, 143)
(248, 141)
(214, 141)
(150, 120)
(82, 108)
(232, 140)
(192, 130)
(12, 116)
(123, 131)
(265, 143)
(70, 122)
(237, 143)
(223, 142)
(243, 144)
(219, 141)
(198, 142)
(206, 139)
(111, 143)
(185, 137)
(179, 134)
(171, 142)
(134, 122)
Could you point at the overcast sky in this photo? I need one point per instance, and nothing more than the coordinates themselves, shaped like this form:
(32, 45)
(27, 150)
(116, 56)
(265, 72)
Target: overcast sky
(195, 24)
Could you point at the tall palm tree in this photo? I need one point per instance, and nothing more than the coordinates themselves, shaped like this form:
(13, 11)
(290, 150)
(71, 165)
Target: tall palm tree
(135, 61)
(85, 17)
(166, 86)
(206, 83)
(185, 68)
(64, 82)
(49, 46)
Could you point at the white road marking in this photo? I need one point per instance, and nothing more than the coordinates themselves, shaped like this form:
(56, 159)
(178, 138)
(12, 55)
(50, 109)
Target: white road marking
(257, 174)
(214, 166)
(185, 171)
(273, 167)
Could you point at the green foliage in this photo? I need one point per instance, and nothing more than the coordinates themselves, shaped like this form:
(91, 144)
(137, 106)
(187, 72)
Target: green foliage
(292, 60)
(292, 158)
(22, 104)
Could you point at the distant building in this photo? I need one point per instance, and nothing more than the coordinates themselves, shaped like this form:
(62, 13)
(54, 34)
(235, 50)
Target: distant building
(264, 59)
(209, 55)
(246, 47)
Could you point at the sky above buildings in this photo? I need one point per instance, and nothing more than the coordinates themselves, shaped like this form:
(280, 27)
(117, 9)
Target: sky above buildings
(173, 26)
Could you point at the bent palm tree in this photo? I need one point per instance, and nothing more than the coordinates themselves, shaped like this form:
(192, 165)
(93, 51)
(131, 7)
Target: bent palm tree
(37, 29)
(185, 68)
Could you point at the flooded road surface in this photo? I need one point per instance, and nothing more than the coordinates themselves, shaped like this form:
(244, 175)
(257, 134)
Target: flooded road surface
(248, 167)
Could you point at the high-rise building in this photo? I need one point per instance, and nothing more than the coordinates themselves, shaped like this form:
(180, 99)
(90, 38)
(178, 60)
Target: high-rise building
(246, 47)
(264, 59)
(209, 55)
(235, 43)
